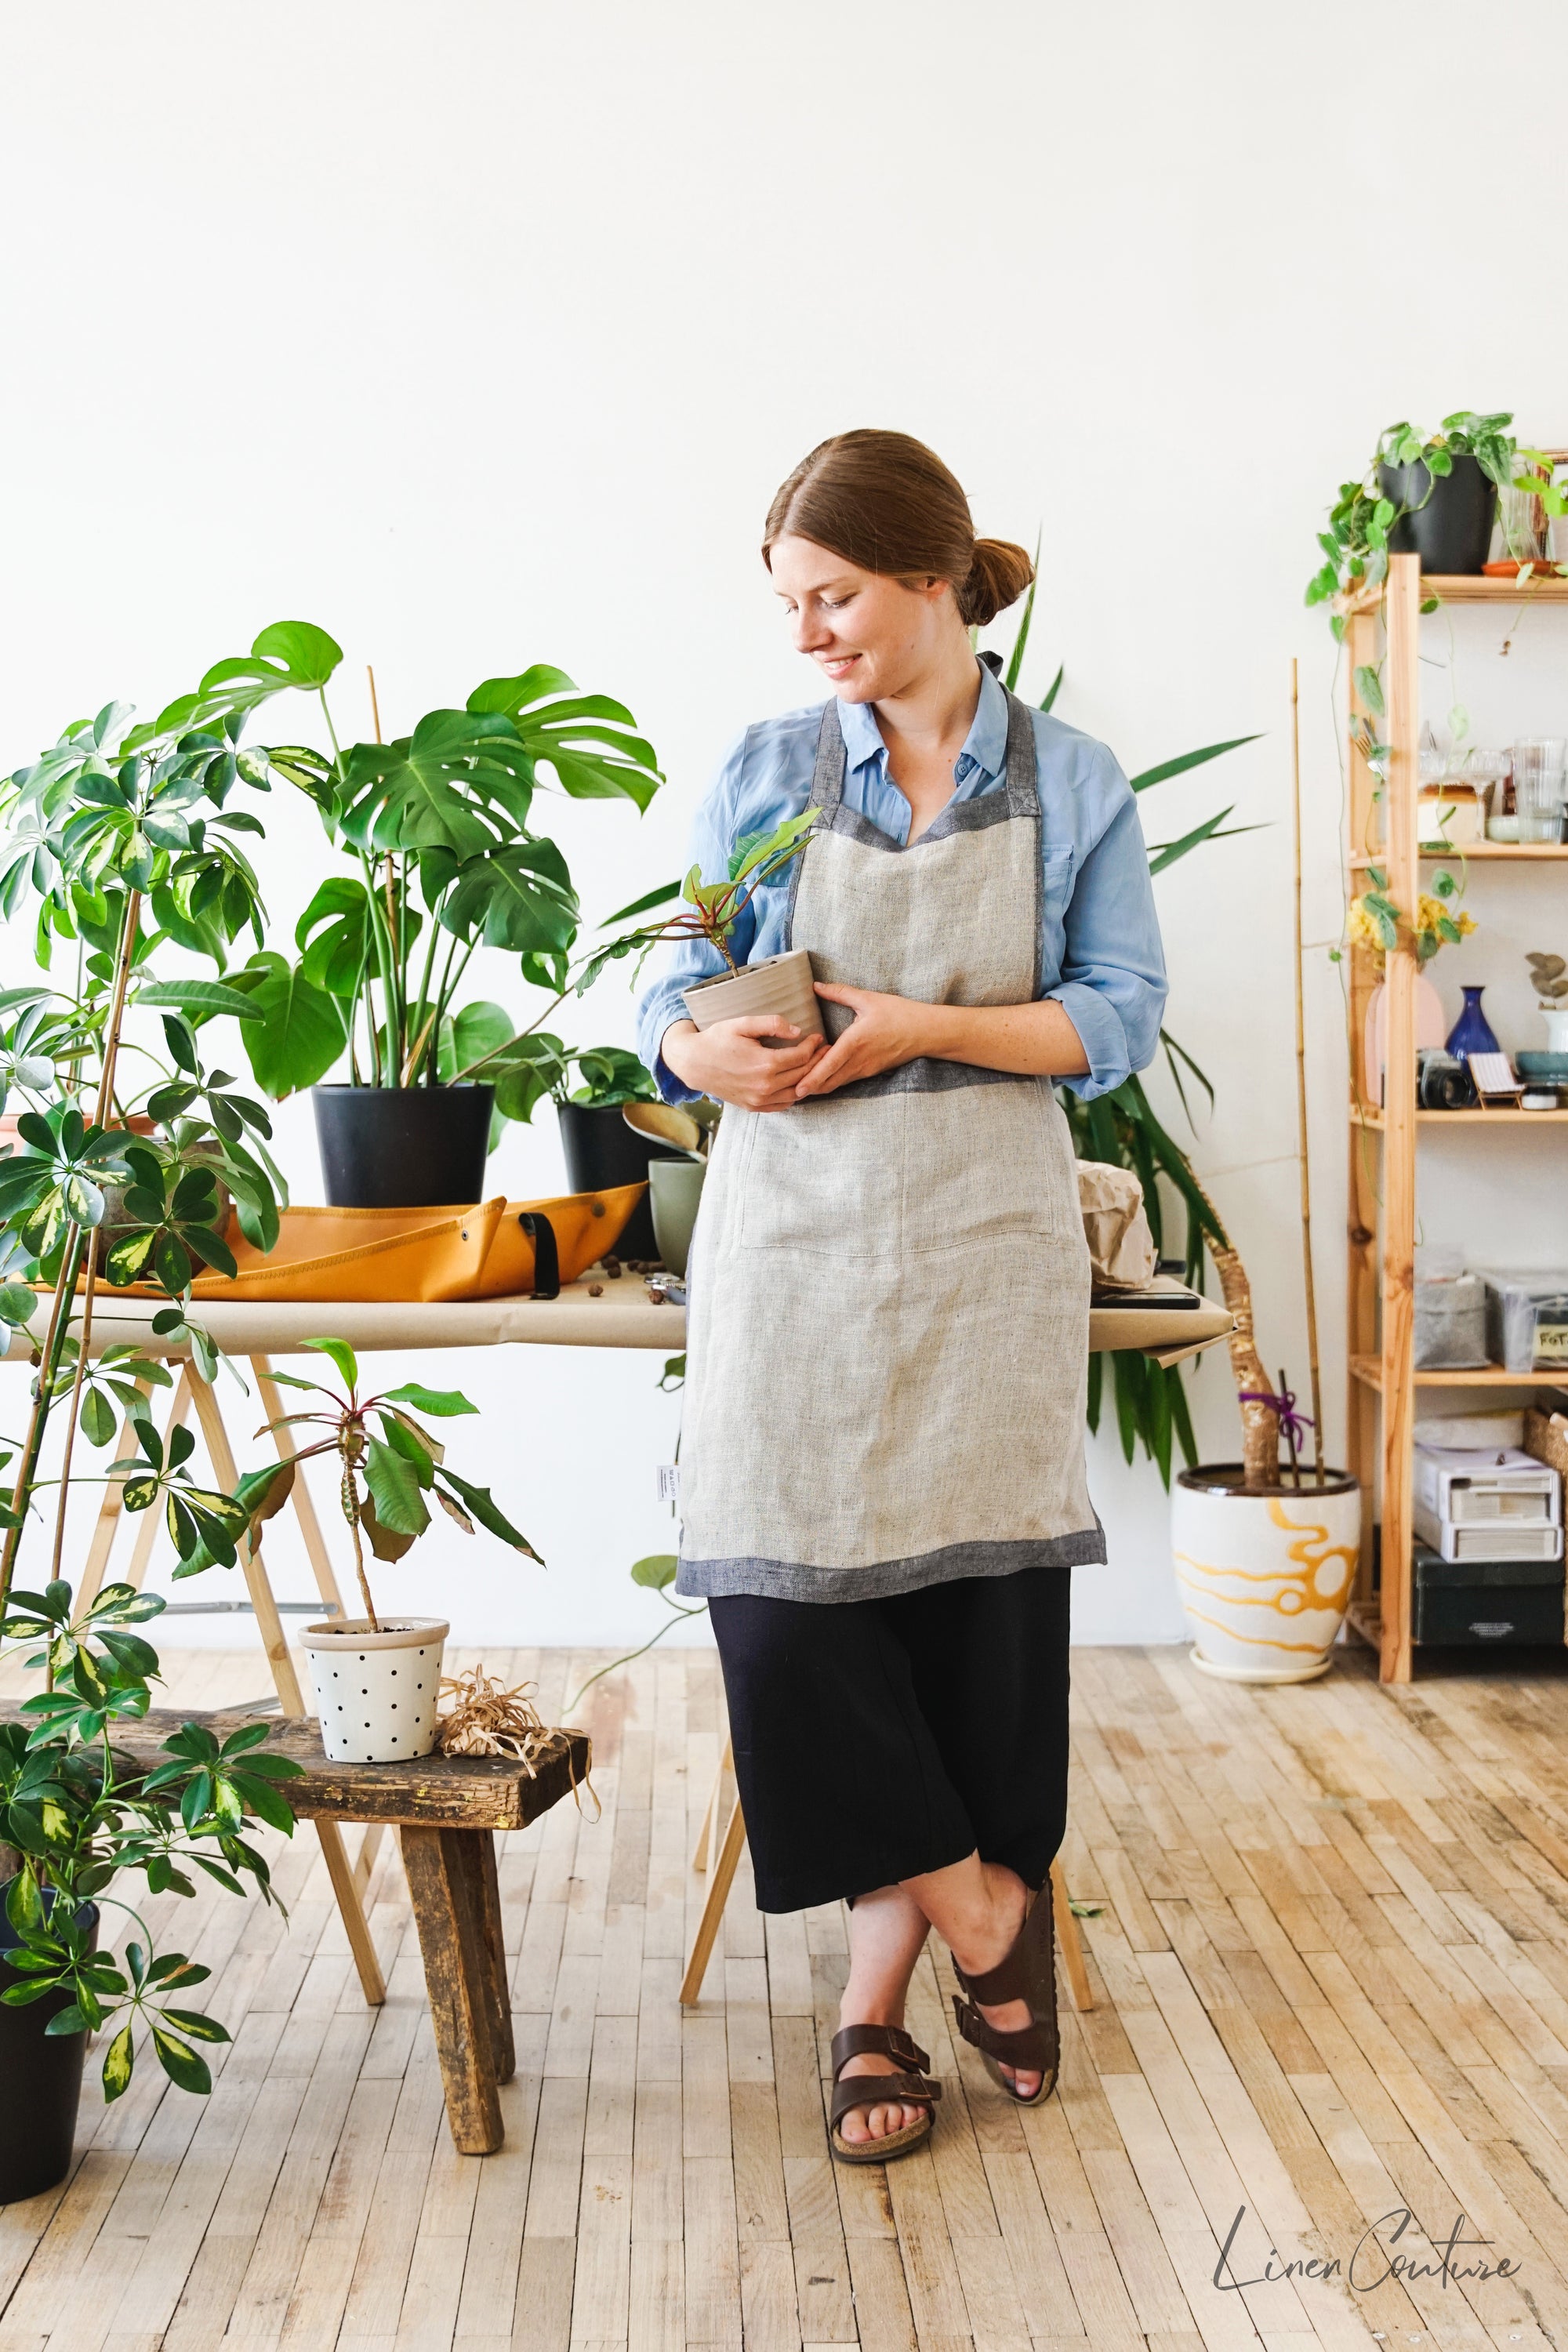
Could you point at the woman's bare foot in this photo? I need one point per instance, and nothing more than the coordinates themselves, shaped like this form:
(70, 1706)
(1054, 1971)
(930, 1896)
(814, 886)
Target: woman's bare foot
(886, 1931)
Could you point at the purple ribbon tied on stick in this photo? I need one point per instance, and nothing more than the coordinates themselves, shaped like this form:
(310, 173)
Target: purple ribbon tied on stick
(1294, 1424)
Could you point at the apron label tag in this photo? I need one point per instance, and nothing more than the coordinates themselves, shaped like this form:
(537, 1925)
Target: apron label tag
(669, 1483)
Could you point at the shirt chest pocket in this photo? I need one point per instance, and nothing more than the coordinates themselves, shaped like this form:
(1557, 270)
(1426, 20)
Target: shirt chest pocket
(1058, 872)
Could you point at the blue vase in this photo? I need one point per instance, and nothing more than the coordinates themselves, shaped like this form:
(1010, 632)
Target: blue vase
(1472, 1032)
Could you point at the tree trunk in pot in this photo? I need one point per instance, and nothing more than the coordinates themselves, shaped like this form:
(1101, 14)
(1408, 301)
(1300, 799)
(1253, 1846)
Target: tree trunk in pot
(1259, 1422)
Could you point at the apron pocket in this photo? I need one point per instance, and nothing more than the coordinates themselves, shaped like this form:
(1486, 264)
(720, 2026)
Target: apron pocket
(827, 1178)
(985, 1165)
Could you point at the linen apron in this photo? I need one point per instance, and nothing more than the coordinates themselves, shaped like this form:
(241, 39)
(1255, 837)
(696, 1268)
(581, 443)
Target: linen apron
(888, 1326)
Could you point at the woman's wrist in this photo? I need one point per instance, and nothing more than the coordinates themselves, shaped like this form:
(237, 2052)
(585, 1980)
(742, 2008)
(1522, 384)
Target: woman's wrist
(675, 1034)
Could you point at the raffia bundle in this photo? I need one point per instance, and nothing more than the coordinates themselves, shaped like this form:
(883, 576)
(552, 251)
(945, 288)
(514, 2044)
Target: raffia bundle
(484, 1719)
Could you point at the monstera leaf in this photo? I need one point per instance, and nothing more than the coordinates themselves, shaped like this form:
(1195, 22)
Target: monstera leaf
(300, 1032)
(590, 740)
(290, 653)
(521, 897)
(461, 782)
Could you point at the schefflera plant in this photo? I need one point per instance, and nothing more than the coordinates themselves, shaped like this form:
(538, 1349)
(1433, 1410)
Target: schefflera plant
(385, 1480)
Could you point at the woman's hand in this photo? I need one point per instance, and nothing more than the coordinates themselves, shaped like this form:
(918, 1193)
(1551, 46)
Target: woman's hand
(728, 1063)
(887, 1031)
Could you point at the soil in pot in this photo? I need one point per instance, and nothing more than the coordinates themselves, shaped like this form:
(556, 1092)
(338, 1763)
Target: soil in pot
(42, 2075)
(1450, 530)
(781, 984)
(602, 1152)
(403, 1147)
(375, 1689)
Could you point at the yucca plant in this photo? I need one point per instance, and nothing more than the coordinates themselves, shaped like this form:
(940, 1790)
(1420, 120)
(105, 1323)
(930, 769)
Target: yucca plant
(1121, 1129)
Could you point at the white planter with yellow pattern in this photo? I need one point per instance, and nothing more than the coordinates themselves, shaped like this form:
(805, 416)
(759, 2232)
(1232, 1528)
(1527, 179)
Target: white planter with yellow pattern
(1264, 1579)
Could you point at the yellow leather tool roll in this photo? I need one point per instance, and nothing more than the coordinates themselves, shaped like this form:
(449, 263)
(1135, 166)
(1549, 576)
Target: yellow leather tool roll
(484, 1251)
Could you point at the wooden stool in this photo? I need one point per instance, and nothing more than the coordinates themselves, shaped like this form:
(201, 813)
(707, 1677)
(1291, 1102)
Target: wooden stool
(720, 1856)
(447, 1808)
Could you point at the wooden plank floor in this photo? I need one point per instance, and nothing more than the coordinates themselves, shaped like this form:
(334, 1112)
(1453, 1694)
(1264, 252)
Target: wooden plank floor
(1330, 1963)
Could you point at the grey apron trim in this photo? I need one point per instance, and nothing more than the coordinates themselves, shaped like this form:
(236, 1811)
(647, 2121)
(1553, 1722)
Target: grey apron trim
(1020, 799)
(786, 1580)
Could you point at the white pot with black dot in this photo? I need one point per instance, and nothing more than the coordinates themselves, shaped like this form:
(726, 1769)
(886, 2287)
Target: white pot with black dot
(376, 1691)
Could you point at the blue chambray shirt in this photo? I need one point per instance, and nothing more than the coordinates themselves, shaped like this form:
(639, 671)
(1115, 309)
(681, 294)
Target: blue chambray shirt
(1100, 954)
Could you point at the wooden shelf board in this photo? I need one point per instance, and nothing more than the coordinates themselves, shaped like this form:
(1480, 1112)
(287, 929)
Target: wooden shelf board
(1469, 588)
(1364, 1116)
(1363, 1617)
(1368, 1370)
(1512, 853)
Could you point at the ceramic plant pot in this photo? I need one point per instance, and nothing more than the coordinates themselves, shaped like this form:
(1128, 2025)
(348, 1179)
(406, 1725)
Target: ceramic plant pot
(42, 2074)
(602, 1152)
(1556, 1022)
(376, 1692)
(780, 984)
(674, 1188)
(403, 1147)
(1264, 1579)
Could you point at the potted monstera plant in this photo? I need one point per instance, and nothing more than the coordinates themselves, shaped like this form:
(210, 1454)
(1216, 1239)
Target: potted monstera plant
(443, 860)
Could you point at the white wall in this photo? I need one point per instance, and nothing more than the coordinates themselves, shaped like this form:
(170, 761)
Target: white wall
(482, 334)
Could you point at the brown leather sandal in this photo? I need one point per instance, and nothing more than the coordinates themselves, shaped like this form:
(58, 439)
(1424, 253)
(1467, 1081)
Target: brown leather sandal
(1027, 1973)
(912, 2089)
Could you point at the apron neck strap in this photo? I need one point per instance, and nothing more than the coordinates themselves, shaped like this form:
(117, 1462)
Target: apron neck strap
(832, 760)
(1023, 790)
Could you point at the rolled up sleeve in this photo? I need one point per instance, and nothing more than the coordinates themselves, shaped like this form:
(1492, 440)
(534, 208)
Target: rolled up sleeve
(711, 840)
(1112, 984)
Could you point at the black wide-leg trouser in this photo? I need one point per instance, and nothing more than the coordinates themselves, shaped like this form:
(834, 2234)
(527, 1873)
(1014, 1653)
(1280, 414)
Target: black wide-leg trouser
(878, 1740)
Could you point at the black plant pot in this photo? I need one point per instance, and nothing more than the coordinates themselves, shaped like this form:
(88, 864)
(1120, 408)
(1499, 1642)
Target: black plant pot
(42, 2074)
(1451, 531)
(602, 1151)
(403, 1147)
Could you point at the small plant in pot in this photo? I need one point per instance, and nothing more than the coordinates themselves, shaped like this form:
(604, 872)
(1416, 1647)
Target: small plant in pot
(1433, 494)
(78, 1818)
(601, 1150)
(376, 1682)
(778, 983)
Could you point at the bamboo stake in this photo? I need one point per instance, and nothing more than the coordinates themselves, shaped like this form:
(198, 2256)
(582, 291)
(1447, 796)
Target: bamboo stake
(1312, 1366)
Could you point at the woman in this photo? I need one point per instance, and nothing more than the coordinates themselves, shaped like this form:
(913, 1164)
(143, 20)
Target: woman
(883, 1477)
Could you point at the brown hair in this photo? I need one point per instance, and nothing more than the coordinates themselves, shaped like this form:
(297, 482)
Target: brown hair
(886, 502)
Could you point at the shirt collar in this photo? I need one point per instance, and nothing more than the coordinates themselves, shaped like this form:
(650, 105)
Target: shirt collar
(985, 746)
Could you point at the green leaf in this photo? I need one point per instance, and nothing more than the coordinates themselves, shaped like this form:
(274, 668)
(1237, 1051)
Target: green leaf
(1179, 766)
(484, 1510)
(657, 1572)
(290, 653)
(480, 1029)
(395, 1489)
(301, 1030)
(181, 2064)
(587, 739)
(1369, 686)
(1054, 688)
(440, 1401)
(461, 782)
(97, 1418)
(118, 2062)
(518, 897)
(209, 997)
(343, 1355)
(1166, 854)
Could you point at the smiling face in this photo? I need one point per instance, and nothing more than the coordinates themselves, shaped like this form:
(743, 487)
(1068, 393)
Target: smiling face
(872, 637)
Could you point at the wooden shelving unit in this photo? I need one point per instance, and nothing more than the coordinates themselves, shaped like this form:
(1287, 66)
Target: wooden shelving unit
(1386, 624)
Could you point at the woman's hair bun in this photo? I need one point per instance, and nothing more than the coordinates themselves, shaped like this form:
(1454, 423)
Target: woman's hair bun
(998, 575)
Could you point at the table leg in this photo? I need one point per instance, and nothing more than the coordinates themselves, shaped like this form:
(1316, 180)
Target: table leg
(443, 1878)
(1069, 1943)
(721, 1878)
(487, 1898)
(349, 1895)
